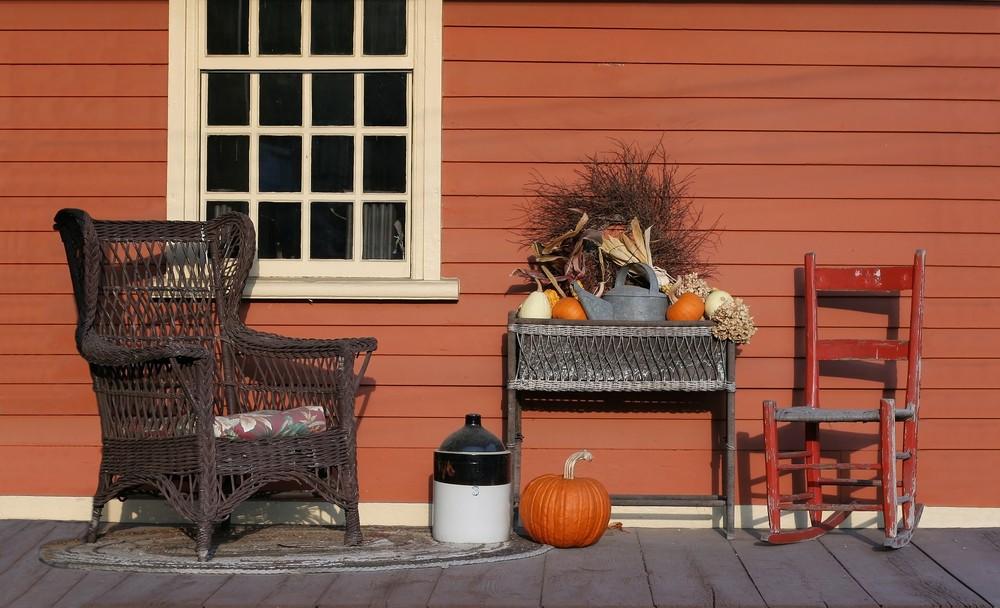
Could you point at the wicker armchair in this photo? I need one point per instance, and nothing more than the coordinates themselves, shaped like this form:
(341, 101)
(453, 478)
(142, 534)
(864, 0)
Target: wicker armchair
(157, 303)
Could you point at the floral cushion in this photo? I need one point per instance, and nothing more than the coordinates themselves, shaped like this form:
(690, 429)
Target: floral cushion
(272, 423)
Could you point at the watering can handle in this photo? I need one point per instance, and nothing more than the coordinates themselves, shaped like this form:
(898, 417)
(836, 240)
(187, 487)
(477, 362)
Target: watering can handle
(654, 284)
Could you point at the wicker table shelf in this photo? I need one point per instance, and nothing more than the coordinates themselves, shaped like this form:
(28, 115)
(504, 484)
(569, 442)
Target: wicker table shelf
(622, 356)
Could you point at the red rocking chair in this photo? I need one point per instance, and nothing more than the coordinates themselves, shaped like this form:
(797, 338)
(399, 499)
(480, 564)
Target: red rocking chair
(894, 492)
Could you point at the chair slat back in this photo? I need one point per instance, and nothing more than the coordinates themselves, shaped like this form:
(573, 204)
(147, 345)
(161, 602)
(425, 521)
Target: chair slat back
(876, 280)
(144, 283)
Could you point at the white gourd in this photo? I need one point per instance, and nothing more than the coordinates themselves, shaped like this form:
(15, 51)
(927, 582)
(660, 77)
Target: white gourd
(536, 306)
(714, 300)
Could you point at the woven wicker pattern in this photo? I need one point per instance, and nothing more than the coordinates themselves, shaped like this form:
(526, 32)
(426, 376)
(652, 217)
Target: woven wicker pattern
(599, 356)
(158, 321)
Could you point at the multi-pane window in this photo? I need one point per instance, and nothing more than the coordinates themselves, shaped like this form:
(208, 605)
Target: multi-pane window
(306, 125)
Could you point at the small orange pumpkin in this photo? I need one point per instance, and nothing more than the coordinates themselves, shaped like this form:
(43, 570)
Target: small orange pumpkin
(566, 511)
(569, 309)
(688, 307)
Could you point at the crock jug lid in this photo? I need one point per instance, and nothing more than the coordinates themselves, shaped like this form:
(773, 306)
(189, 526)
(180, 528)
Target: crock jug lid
(472, 438)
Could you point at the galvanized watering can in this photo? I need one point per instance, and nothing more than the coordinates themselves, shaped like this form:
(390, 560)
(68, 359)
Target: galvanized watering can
(627, 302)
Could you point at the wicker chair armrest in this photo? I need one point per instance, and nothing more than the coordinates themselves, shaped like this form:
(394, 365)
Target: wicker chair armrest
(274, 345)
(99, 351)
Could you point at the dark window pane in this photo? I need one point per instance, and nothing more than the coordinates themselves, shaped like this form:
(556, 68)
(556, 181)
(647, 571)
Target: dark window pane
(384, 231)
(227, 166)
(228, 27)
(330, 232)
(385, 27)
(280, 163)
(214, 209)
(332, 163)
(333, 99)
(385, 164)
(279, 231)
(229, 99)
(280, 27)
(385, 99)
(281, 99)
(333, 27)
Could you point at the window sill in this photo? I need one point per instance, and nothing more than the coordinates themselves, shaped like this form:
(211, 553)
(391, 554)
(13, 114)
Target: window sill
(322, 288)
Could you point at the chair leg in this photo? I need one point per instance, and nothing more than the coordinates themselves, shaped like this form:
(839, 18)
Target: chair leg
(813, 456)
(771, 467)
(95, 521)
(910, 473)
(887, 465)
(204, 540)
(352, 533)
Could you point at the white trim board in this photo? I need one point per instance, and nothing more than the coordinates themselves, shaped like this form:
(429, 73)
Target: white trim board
(77, 508)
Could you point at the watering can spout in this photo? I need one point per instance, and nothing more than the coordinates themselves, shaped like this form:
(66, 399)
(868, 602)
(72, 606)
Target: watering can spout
(596, 308)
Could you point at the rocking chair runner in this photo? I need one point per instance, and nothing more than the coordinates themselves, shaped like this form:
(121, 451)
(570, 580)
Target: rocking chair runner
(159, 324)
(888, 485)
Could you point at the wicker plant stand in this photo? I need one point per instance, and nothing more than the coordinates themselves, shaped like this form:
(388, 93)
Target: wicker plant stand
(622, 356)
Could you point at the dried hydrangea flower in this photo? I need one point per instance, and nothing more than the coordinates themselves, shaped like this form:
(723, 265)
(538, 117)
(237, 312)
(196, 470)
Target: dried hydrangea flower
(690, 283)
(733, 322)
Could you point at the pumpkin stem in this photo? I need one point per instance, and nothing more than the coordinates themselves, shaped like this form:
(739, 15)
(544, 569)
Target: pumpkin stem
(538, 284)
(568, 469)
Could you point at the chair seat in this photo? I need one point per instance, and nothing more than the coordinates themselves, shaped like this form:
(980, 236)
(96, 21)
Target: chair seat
(814, 414)
(263, 424)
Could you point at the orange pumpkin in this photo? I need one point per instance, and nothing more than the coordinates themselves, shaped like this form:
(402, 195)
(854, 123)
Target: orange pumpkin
(566, 511)
(688, 307)
(569, 309)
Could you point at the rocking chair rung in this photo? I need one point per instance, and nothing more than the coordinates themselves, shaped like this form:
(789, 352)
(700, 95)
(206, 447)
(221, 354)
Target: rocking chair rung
(829, 507)
(799, 454)
(840, 466)
(868, 483)
(795, 497)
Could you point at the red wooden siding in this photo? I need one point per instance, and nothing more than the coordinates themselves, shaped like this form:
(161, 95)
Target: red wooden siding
(858, 131)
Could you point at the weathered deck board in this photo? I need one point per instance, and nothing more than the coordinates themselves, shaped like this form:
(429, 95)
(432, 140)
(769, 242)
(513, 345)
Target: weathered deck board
(804, 574)
(636, 567)
(244, 590)
(297, 591)
(388, 588)
(93, 585)
(696, 569)
(24, 541)
(511, 584)
(23, 575)
(970, 555)
(610, 573)
(904, 576)
(9, 527)
(149, 590)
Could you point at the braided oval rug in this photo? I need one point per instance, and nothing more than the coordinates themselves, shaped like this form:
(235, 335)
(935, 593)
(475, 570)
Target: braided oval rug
(275, 549)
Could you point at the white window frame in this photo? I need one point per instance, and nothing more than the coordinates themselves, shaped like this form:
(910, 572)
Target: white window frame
(424, 249)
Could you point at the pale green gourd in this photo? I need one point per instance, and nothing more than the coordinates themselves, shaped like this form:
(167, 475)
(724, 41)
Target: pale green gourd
(536, 306)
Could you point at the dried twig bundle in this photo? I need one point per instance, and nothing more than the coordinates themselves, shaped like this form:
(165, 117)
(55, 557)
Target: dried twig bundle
(610, 190)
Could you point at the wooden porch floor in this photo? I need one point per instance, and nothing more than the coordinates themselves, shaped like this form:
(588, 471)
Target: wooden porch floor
(634, 567)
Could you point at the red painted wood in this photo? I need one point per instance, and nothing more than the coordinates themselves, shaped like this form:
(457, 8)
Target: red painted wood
(83, 80)
(865, 279)
(656, 80)
(882, 350)
(89, 15)
(733, 147)
(718, 114)
(728, 16)
(83, 113)
(82, 47)
(675, 46)
(869, 279)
